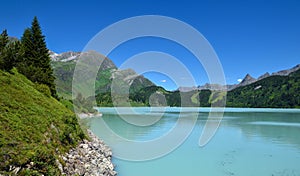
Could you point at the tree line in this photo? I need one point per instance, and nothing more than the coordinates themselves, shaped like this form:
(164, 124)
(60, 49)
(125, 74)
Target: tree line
(30, 56)
(272, 92)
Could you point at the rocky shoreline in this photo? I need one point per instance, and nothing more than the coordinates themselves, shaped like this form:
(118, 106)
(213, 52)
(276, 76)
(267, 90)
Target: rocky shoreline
(91, 158)
(89, 115)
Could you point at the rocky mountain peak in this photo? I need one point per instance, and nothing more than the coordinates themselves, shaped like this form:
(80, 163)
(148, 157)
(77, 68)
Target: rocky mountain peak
(267, 74)
(209, 86)
(248, 79)
(129, 76)
(188, 89)
(64, 57)
(72, 56)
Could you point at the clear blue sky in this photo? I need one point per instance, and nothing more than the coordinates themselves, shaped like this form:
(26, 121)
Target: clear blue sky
(249, 36)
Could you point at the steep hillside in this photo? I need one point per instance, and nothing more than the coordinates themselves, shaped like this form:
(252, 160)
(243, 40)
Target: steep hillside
(64, 65)
(34, 128)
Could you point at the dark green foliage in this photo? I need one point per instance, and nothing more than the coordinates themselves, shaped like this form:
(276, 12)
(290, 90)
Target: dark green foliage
(27, 47)
(174, 99)
(204, 98)
(10, 52)
(274, 91)
(36, 60)
(104, 99)
(11, 56)
(143, 95)
(33, 127)
(160, 97)
(3, 40)
(271, 92)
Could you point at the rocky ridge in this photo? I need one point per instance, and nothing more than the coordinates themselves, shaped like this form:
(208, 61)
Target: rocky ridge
(64, 57)
(287, 71)
(248, 79)
(267, 74)
(72, 56)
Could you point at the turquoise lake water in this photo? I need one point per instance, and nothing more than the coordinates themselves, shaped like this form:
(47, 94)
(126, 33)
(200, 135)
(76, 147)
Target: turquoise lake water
(248, 142)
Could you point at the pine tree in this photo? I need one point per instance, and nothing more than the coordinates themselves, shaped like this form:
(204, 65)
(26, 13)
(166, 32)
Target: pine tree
(40, 50)
(37, 62)
(3, 40)
(12, 55)
(3, 43)
(27, 47)
(10, 52)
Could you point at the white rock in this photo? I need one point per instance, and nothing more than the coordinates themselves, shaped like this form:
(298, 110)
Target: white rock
(16, 170)
(87, 166)
(84, 146)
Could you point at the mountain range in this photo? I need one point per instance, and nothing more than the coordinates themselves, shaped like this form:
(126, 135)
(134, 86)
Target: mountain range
(248, 79)
(64, 65)
(142, 88)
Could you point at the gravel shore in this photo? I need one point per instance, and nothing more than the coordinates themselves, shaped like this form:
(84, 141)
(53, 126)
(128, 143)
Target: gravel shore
(91, 158)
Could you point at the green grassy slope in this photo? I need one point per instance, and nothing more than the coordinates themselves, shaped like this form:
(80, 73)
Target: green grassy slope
(63, 72)
(34, 128)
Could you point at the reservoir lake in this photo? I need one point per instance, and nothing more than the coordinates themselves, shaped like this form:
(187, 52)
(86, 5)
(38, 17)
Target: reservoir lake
(261, 142)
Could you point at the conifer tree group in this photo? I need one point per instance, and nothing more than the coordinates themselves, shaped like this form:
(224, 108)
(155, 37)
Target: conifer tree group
(30, 56)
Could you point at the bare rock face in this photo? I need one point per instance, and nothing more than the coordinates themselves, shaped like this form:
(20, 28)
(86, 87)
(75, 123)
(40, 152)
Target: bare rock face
(267, 74)
(126, 78)
(64, 57)
(216, 87)
(247, 80)
(72, 56)
(288, 71)
(89, 158)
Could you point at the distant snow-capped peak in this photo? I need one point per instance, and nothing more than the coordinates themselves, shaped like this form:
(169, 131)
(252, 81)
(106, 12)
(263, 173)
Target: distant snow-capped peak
(64, 57)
